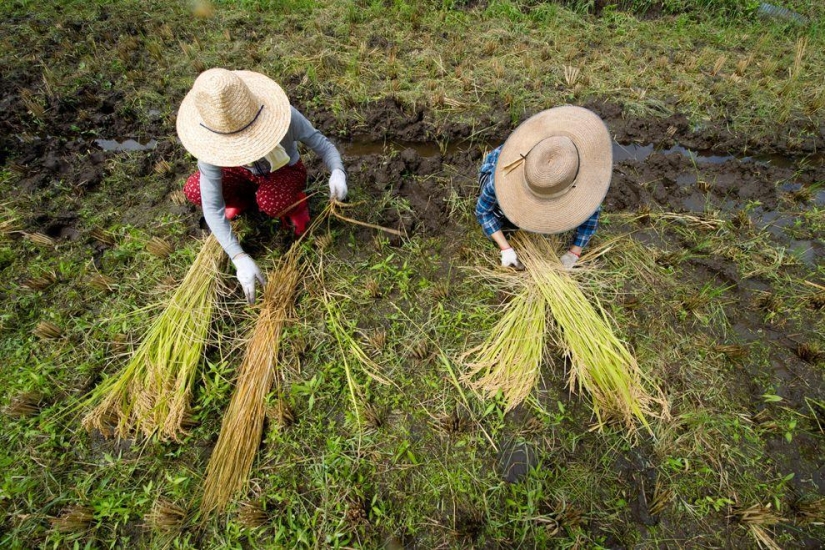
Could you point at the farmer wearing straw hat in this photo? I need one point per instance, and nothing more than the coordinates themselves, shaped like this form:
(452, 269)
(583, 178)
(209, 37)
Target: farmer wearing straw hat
(550, 176)
(241, 128)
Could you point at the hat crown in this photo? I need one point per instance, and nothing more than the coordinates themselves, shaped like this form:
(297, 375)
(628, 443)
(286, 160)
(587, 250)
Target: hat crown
(224, 101)
(551, 167)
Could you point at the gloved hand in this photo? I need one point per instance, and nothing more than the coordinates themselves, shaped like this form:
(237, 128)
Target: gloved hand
(338, 185)
(509, 259)
(568, 260)
(248, 272)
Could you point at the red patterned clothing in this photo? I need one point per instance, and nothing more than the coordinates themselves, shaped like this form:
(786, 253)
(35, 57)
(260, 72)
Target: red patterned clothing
(275, 193)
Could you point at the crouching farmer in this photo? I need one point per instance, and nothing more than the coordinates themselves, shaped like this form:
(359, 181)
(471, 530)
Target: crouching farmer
(550, 176)
(241, 128)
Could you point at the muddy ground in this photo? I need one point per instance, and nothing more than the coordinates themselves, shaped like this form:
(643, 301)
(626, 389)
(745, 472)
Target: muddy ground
(402, 152)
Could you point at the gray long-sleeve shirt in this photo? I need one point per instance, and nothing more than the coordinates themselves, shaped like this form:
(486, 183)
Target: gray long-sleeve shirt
(211, 179)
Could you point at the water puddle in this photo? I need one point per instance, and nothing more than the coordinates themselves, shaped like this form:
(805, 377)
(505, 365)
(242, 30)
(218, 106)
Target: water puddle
(804, 251)
(641, 152)
(695, 203)
(790, 186)
(621, 152)
(516, 460)
(127, 145)
(686, 180)
(364, 148)
(774, 221)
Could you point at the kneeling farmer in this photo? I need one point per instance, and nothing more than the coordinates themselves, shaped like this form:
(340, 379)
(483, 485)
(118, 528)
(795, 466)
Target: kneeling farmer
(241, 128)
(550, 176)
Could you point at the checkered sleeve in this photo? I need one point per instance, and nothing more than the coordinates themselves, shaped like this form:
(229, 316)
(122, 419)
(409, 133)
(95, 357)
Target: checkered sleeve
(586, 230)
(488, 213)
(487, 210)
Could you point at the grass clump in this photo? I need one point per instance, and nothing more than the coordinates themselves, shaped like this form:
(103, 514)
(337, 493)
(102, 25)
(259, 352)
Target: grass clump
(151, 394)
(243, 423)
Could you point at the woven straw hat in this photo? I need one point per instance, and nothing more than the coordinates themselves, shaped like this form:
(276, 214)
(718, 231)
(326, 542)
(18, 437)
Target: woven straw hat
(232, 118)
(554, 170)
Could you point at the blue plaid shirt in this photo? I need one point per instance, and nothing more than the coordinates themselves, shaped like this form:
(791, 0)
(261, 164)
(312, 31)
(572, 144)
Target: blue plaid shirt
(491, 217)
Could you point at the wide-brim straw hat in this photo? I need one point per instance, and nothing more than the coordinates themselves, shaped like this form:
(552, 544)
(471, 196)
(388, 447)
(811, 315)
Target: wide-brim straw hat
(554, 170)
(232, 118)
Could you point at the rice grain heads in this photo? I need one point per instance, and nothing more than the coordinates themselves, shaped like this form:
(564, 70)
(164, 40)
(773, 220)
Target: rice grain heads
(600, 363)
(151, 394)
(242, 427)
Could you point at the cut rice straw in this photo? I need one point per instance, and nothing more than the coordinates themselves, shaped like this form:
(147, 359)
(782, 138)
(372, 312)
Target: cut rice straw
(509, 360)
(335, 206)
(151, 394)
(600, 363)
(242, 427)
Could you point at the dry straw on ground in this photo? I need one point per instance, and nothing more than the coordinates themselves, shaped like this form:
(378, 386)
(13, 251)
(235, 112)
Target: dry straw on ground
(600, 363)
(242, 427)
(151, 395)
(231, 461)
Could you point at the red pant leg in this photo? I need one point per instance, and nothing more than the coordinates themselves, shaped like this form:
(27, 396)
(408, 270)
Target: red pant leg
(279, 191)
(192, 188)
(238, 188)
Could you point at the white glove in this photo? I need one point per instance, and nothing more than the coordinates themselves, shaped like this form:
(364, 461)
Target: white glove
(248, 272)
(509, 259)
(338, 185)
(568, 260)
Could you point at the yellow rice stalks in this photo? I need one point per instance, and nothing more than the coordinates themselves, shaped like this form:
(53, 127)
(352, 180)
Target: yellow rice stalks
(151, 395)
(242, 427)
(549, 304)
(510, 359)
(600, 363)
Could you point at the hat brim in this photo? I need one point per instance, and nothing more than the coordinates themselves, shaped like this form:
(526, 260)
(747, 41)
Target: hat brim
(555, 215)
(243, 147)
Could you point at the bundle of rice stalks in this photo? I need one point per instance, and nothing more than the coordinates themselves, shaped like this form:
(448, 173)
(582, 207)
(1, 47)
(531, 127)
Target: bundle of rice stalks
(40, 282)
(101, 282)
(151, 394)
(242, 427)
(166, 516)
(509, 360)
(48, 330)
(252, 515)
(600, 364)
(810, 511)
(41, 239)
(103, 237)
(74, 519)
(25, 405)
(9, 226)
(756, 518)
(159, 247)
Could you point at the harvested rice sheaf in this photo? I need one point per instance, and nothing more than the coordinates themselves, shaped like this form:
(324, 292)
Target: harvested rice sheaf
(166, 516)
(509, 360)
(151, 394)
(600, 363)
(242, 427)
